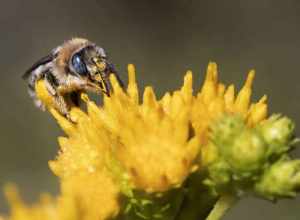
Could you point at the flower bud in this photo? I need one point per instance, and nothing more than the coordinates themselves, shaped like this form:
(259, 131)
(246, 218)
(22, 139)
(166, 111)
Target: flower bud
(242, 148)
(278, 132)
(282, 179)
(220, 174)
(247, 153)
(226, 129)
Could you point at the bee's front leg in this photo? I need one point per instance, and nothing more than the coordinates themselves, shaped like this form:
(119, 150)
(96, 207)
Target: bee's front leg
(59, 100)
(62, 106)
(70, 91)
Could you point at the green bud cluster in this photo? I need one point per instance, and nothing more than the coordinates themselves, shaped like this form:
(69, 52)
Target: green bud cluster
(278, 133)
(253, 159)
(281, 179)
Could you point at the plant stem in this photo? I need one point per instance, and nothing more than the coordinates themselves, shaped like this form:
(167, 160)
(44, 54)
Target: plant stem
(224, 203)
(198, 201)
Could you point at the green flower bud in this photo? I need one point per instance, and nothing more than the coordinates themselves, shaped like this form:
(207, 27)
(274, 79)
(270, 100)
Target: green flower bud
(242, 148)
(278, 132)
(238, 157)
(282, 179)
(226, 129)
(220, 173)
(247, 153)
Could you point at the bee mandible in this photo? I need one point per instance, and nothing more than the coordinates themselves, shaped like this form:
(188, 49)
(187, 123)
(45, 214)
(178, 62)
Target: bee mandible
(77, 65)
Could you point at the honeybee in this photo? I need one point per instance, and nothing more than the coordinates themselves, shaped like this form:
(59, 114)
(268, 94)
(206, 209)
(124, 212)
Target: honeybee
(77, 65)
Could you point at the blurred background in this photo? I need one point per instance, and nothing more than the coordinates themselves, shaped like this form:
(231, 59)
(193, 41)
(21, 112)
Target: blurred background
(163, 39)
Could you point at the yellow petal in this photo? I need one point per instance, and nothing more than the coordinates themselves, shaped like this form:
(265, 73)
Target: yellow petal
(243, 98)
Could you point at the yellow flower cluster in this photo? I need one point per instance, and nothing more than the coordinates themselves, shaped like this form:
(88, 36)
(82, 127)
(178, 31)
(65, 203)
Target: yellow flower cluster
(215, 99)
(45, 209)
(150, 146)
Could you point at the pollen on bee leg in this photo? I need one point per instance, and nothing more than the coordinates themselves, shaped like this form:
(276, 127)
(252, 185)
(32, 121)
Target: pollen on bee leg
(84, 97)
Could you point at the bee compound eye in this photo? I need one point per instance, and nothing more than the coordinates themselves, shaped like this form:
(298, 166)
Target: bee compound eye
(79, 65)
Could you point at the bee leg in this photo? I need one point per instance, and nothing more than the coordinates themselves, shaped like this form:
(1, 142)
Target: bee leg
(51, 83)
(60, 102)
(75, 98)
(71, 93)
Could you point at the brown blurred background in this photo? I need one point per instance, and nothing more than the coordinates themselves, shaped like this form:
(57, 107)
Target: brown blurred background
(163, 39)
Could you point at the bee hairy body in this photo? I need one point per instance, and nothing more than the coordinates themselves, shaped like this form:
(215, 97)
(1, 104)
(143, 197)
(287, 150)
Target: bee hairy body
(75, 66)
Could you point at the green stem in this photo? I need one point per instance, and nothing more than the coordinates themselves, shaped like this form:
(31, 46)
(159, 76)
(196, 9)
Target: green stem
(222, 206)
(198, 201)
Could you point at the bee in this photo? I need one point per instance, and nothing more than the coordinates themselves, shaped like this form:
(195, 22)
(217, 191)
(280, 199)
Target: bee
(77, 65)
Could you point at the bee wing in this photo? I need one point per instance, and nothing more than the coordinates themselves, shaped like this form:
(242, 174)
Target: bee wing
(40, 62)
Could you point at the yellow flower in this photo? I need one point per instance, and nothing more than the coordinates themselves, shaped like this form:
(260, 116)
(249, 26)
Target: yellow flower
(45, 209)
(88, 196)
(132, 133)
(214, 99)
(150, 146)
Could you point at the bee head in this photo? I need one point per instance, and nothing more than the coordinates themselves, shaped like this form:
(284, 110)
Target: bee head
(86, 61)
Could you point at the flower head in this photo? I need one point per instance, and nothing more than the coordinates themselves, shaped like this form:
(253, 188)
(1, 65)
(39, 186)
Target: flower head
(149, 146)
(151, 140)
